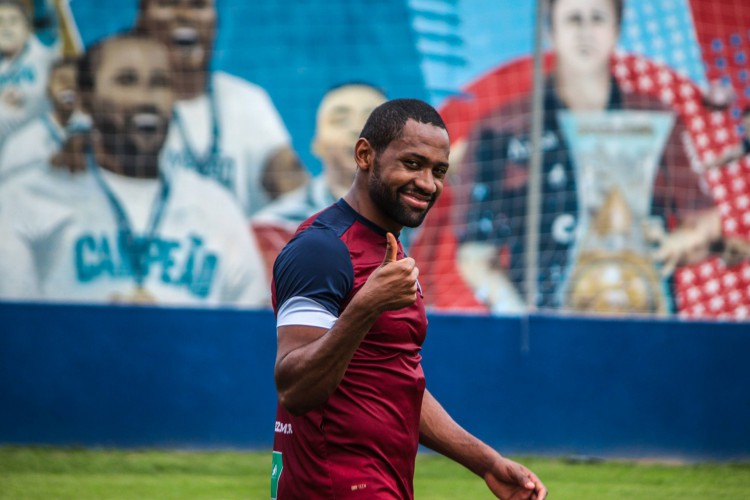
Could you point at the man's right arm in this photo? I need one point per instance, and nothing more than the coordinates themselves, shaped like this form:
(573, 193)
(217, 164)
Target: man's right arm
(311, 361)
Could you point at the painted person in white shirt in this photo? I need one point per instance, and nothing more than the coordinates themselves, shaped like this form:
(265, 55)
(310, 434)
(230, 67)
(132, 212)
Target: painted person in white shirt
(24, 66)
(341, 114)
(41, 138)
(125, 230)
(225, 128)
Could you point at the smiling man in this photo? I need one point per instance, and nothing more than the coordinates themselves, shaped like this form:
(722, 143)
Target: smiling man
(125, 231)
(353, 406)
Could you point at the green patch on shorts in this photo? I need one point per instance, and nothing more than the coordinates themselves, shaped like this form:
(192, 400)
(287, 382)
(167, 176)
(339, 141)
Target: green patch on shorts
(277, 465)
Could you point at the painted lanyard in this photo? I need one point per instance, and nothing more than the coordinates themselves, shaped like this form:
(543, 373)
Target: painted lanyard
(53, 130)
(136, 248)
(202, 164)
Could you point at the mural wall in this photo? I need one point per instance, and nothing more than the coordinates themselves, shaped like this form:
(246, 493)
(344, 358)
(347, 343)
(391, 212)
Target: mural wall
(163, 151)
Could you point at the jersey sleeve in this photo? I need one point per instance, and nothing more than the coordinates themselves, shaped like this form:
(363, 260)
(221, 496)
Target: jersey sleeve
(315, 265)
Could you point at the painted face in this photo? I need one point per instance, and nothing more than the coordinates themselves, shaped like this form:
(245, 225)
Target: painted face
(61, 87)
(132, 98)
(341, 116)
(187, 27)
(584, 33)
(14, 30)
(407, 177)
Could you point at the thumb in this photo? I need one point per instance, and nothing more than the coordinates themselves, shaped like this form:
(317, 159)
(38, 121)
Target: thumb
(391, 249)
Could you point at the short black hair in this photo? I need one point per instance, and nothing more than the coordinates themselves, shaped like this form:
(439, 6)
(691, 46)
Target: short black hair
(89, 61)
(386, 122)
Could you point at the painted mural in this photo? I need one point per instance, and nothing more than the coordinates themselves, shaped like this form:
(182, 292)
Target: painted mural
(162, 152)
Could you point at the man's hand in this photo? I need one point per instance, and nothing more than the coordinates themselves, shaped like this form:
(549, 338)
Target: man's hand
(393, 285)
(509, 480)
(688, 244)
(72, 154)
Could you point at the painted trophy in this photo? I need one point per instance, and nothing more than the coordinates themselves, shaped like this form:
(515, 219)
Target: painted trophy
(616, 155)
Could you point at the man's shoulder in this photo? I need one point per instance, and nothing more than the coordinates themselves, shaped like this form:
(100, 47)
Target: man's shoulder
(43, 179)
(295, 206)
(236, 87)
(202, 193)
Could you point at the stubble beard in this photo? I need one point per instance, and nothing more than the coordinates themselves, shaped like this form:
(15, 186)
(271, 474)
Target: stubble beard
(388, 201)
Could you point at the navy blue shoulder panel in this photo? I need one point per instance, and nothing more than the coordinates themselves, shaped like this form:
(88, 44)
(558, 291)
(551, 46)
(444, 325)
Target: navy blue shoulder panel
(316, 264)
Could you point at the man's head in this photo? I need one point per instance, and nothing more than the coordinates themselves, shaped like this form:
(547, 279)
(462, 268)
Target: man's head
(15, 27)
(402, 156)
(341, 115)
(124, 83)
(584, 32)
(61, 86)
(186, 27)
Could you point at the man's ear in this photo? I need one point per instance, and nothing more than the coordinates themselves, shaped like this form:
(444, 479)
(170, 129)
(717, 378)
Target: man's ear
(364, 155)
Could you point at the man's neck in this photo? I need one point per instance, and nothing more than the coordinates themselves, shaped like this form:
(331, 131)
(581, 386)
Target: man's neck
(364, 206)
(589, 92)
(61, 117)
(191, 84)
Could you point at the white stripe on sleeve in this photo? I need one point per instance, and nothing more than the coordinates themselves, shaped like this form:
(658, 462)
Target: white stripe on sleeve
(304, 311)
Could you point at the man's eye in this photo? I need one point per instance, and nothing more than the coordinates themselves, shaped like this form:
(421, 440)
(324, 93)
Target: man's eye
(126, 79)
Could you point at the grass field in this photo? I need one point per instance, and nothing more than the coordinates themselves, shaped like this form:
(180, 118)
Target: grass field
(52, 473)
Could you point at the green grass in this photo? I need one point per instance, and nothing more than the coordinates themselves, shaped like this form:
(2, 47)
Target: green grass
(55, 473)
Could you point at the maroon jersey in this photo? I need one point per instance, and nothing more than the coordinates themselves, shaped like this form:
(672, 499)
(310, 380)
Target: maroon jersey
(362, 442)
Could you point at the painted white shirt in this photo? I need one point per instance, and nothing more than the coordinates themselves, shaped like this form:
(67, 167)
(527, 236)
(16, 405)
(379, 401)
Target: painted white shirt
(249, 131)
(59, 241)
(23, 84)
(296, 206)
(31, 145)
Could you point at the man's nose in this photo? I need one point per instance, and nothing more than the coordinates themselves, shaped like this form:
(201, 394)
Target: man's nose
(425, 181)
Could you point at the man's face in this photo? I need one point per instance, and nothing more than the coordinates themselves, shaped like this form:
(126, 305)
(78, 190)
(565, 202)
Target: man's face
(407, 177)
(61, 88)
(584, 33)
(14, 30)
(341, 116)
(131, 104)
(187, 27)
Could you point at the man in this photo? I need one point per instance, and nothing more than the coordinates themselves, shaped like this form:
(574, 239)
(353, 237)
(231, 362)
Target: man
(341, 115)
(39, 139)
(125, 231)
(225, 128)
(24, 64)
(350, 323)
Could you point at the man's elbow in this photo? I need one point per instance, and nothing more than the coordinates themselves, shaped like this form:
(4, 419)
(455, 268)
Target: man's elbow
(297, 405)
(295, 399)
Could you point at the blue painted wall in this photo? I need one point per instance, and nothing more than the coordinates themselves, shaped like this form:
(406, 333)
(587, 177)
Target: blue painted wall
(136, 377)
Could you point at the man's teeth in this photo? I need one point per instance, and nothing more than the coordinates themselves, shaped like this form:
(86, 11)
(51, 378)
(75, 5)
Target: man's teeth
(147, 122)
(185, 36)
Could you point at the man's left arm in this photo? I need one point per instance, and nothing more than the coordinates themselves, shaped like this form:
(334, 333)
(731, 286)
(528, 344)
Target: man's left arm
(505, 478)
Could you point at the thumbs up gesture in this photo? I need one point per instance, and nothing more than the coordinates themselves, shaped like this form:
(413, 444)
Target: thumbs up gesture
(393, 285)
